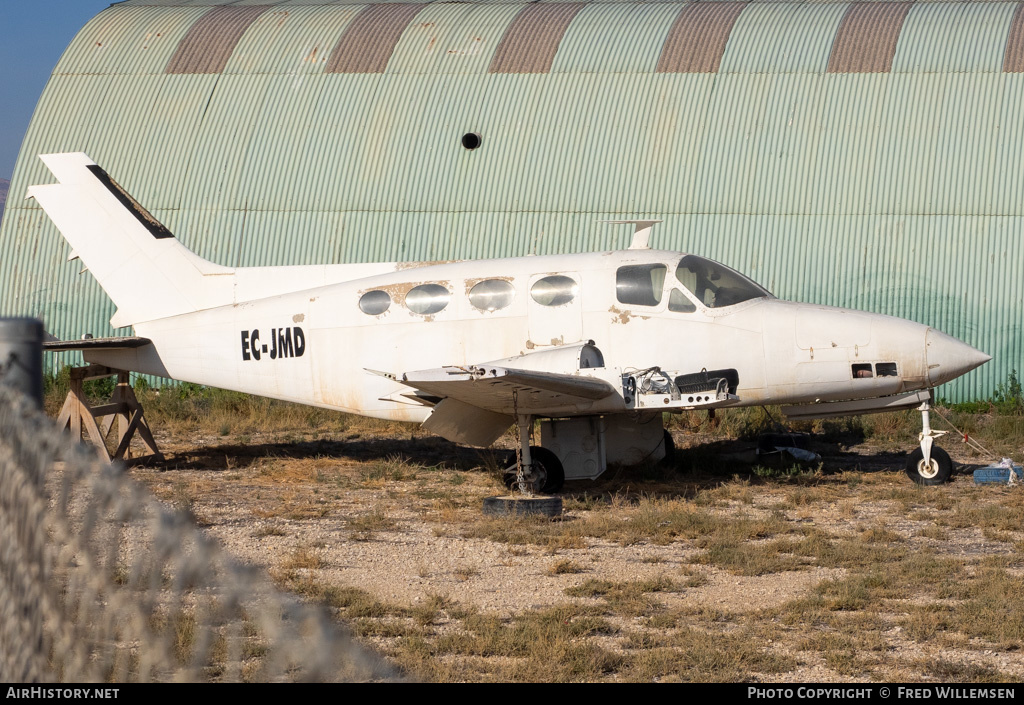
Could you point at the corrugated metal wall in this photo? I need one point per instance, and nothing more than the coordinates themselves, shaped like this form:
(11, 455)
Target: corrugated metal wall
(857, 154)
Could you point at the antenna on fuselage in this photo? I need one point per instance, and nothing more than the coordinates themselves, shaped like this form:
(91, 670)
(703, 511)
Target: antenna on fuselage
(641, 233)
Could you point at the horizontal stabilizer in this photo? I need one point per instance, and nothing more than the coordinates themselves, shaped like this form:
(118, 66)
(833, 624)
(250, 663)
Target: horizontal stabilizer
(126, 343)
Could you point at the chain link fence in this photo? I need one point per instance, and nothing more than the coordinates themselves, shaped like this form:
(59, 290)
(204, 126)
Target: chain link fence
(101, 582)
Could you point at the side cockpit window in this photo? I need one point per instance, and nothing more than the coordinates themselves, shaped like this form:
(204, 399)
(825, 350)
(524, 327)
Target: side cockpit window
(640, 284)
(715, 285)
(678, 302)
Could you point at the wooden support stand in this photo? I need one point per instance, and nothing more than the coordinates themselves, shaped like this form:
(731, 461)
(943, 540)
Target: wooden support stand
(97, 422)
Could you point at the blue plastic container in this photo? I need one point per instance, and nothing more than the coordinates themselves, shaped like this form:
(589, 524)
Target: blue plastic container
(997, 475)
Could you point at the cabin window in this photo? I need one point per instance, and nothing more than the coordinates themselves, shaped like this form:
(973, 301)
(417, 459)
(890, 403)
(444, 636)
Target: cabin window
(885, 369)
(426, 299)
(640, 284)
(555, 290)
(714, 284)
(861, 371)
(680, 302)
(374, 303)
(492, 295)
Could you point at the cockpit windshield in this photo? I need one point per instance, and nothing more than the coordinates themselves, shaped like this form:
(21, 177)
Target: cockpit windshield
(714, 284)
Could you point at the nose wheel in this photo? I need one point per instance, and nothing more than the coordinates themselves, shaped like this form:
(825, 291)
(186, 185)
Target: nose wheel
(934, 471)
(929, 464)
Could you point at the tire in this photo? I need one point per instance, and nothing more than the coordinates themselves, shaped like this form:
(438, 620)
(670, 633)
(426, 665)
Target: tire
(522, 506)
(548, 473)
(939, 472)
(670, 451)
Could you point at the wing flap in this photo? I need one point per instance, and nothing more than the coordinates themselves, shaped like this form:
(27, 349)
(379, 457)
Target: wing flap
(506, 390)
(464, 423)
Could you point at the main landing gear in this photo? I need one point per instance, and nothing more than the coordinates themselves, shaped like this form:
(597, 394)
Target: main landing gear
(530, 471)
(929, 464)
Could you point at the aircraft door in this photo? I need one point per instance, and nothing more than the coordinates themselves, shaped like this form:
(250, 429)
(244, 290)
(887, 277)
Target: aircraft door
(555, 309)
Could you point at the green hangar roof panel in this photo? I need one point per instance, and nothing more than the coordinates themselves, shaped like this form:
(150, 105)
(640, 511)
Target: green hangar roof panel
(129, 39)
(850, 153)
(963, 37)
(290, 41)
(451, 38)
(616, 38)
(783, 38)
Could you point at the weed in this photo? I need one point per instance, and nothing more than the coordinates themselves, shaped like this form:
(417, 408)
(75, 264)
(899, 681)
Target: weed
(364, 525)
(1009, 397)
(464, 573)
(269, 530)
(394, 468)
(697, 655)
(628, 597)
(755, 558)
(302, 559)
(795, 470)
(564, 567)
(949, 671)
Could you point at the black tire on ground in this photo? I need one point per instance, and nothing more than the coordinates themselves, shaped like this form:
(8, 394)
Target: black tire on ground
(936, 473)
(670, 450)
(522, 506)
(547, 467)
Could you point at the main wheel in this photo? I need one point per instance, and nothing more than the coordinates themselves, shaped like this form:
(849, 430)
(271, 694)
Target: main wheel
(546, 475)
(670, 450)
(936, 472)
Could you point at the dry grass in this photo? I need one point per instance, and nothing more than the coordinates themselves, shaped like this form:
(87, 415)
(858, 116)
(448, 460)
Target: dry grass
(303, 558)
(565, 567)
(910, 570)
(364, 526)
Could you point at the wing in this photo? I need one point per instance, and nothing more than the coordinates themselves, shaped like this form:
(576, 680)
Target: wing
(477, 404)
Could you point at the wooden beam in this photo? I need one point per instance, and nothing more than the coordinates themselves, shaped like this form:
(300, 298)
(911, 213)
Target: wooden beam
(124, 407)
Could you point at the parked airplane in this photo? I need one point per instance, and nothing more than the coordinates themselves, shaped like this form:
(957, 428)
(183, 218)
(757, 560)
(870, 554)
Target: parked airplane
(598, 345)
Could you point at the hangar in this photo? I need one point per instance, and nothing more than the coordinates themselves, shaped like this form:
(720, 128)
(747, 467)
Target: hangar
(859, 154)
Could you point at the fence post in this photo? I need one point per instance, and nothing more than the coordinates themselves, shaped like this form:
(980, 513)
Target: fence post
(21, 356)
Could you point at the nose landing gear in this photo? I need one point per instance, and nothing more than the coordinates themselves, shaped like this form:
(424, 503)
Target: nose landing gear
(929, 464)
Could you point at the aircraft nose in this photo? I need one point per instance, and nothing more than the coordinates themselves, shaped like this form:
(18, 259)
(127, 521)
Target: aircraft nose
(948, 358)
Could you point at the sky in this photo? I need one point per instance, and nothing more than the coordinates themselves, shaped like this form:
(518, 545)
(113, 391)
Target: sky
(33, 35)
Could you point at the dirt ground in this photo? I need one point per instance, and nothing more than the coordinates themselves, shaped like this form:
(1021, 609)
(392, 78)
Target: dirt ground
(712, 570)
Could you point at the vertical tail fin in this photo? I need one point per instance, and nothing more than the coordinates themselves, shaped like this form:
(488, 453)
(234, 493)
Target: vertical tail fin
(143, 268)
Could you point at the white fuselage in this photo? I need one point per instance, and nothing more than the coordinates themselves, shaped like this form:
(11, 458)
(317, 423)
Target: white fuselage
(316, 346)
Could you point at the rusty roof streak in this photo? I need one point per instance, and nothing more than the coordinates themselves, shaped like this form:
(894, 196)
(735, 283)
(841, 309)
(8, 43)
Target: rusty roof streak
(532, 39)
(1013, 57)
(867, 36)
(369, 40)
(697, 40)
(208, 44)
